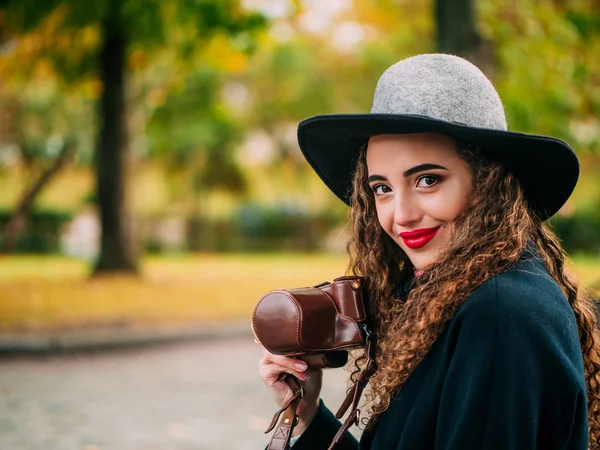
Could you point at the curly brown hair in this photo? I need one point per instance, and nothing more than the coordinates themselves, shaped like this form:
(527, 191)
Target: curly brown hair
(489, 237)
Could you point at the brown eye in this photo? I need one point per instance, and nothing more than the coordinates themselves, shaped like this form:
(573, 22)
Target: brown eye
(427, 181)
(380, 189)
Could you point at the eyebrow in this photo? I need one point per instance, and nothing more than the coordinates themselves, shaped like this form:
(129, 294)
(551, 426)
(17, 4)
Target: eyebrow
(409, 172)
(422, 168)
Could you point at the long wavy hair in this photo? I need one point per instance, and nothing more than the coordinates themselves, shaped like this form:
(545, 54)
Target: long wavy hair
(489, 237)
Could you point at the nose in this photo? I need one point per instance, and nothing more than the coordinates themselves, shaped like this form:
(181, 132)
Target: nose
(406, 211)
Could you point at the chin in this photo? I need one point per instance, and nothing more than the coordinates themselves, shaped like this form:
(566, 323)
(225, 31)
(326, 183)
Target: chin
(425, 256)
(420, 258)
(420, 262)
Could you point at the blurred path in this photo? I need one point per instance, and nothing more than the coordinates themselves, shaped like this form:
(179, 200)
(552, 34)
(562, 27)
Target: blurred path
(177, 397)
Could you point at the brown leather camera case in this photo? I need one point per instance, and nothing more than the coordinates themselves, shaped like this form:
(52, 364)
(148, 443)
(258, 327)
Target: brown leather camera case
(316, 324)
(308, 320)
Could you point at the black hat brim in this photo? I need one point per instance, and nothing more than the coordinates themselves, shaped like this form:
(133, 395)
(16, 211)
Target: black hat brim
(546, 167)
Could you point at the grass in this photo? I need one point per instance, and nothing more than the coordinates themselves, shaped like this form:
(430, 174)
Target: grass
(50, 293)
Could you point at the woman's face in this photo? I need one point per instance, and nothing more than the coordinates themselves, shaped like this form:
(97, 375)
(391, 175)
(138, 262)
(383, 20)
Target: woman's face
(420, 185)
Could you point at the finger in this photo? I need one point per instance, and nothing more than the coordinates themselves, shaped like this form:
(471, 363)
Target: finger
(275, 372)
(286, 361)
(272, 373)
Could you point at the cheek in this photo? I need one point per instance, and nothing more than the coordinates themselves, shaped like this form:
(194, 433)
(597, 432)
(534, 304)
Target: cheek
(385, 216)
(447, 207)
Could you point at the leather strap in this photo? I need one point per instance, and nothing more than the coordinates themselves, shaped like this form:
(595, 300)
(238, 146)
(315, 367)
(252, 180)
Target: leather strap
(289, 419)
(283, 431)
(355, 392)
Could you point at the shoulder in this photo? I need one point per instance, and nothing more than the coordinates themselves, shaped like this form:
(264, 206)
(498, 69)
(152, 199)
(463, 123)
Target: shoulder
(522, 322)
(521, 315)
(524, 295)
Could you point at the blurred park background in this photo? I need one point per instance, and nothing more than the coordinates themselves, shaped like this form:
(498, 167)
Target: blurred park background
(149, 169)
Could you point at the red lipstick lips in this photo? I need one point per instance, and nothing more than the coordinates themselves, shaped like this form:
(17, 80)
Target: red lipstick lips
(418, 238)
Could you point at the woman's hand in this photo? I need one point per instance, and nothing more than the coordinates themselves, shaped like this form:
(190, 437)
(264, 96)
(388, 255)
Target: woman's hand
(272, 370)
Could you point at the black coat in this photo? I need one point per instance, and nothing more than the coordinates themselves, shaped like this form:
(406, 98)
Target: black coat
(507, 373)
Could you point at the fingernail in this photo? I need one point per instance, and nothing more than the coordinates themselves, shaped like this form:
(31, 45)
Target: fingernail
(300, 365)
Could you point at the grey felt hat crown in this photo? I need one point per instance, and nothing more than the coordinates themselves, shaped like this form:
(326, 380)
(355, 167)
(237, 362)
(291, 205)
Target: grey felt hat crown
(449, 95)
(441, 87)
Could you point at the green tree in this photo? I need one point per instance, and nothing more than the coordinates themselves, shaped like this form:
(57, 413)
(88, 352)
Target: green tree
(457, 33)
(45, 122)
(123, 25)
(194, 138)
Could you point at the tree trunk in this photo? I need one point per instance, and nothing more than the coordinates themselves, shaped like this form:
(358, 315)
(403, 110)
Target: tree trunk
(117, 253)
(20, 215)
(457, 34)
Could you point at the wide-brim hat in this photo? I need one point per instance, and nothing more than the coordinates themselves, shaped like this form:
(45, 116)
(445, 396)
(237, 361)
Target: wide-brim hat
(438, 93)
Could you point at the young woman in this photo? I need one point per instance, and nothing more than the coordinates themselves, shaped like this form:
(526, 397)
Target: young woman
(485, 340)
